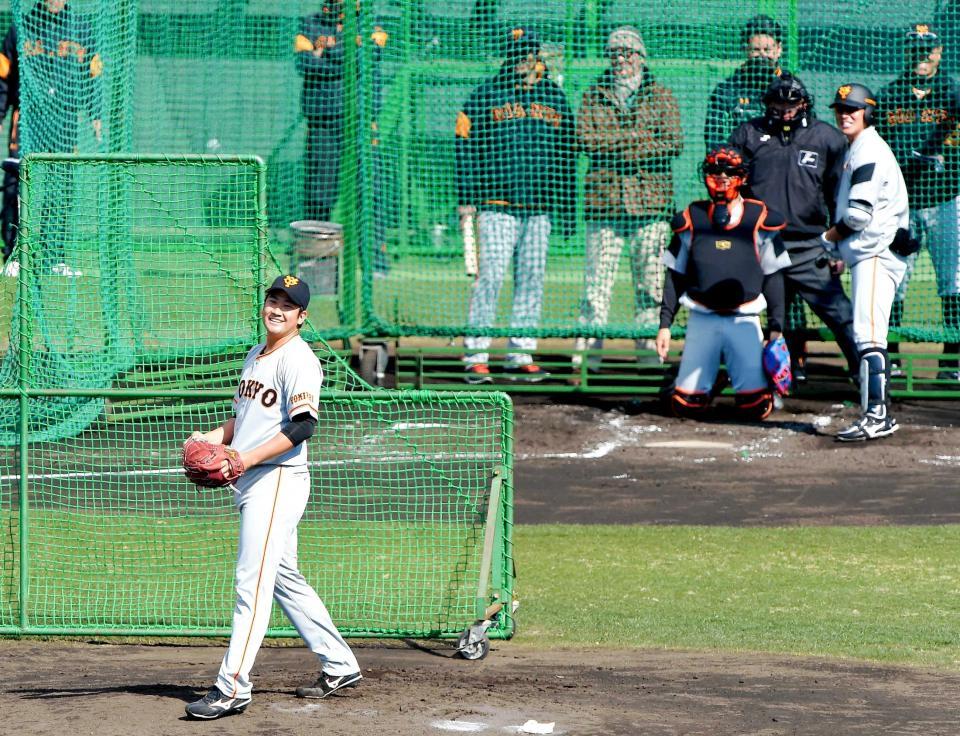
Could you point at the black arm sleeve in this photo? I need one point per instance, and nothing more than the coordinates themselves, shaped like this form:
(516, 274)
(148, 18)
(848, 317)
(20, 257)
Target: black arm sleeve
(773, 292)
(673, 286)
(299, 428)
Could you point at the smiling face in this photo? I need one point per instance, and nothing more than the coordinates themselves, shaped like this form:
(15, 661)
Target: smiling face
(281, 316)
(850, 120)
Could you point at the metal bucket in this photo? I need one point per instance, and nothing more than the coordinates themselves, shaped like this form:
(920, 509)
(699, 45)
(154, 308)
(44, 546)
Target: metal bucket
(317, 246)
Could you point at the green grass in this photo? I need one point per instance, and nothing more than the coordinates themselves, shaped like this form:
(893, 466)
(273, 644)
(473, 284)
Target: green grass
(883, 593)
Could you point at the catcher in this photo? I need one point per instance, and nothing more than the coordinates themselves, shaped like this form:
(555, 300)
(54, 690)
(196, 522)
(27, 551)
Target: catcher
(262, 452)
(723, 264)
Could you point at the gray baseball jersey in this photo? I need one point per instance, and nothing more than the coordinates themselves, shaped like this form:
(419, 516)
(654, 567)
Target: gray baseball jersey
(871, 180)
(273, 388)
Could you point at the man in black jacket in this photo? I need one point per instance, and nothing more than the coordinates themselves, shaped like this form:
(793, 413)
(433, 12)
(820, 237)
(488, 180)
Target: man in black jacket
(919, 113)
(739, 97)
(795, 163)
(515, 165)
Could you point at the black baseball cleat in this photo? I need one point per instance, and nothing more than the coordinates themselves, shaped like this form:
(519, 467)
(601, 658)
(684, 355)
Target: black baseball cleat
(216, 705)
(328, 684)
(869, 427)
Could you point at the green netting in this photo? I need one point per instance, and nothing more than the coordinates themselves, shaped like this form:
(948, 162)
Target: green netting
(109, 366)
(690, 51)
(118, 541)
(363, 134)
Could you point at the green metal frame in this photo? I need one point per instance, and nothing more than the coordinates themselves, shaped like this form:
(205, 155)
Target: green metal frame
(499, 558)
(440, 368)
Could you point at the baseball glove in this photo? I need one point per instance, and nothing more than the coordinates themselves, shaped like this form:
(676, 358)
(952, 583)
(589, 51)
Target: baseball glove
(203, 461)
(776, 364)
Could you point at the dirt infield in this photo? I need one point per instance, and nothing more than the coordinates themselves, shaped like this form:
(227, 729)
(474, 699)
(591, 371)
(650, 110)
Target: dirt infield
(596, 462)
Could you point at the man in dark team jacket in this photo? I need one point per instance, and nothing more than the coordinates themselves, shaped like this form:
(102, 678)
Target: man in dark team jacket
(739, 97)
(57, 53)
(319, 55)
(919, 114)
(795, 163)
(515, 164)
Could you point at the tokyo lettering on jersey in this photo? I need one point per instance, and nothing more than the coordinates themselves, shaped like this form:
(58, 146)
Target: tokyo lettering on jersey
(871, 179)
(274, 387)
(724, 268)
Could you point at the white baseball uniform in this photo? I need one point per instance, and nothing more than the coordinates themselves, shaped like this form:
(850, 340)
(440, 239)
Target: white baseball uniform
(271, 498)
(872, 183)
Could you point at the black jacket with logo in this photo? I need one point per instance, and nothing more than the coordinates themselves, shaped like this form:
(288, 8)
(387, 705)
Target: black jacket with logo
(516, 147)
(919, 129)
(795, 174)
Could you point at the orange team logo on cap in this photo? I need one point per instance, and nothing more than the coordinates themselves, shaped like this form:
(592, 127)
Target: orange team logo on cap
(517, 34)
(844, 91)
(923, 28)
(289, 281)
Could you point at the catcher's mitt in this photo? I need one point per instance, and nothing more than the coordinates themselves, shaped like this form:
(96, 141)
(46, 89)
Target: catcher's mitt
(776, 364)
(203, 461)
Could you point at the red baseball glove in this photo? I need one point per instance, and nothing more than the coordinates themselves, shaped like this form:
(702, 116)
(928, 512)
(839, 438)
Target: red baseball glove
(203, 462)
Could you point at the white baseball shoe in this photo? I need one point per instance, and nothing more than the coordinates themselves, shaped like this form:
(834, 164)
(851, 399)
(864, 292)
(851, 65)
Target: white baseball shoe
(12, 269)
(869, 427)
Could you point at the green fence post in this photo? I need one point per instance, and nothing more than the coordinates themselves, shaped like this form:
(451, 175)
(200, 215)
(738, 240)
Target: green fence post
(262, 244)
(24, 350)
(405, 128)
(793, 36)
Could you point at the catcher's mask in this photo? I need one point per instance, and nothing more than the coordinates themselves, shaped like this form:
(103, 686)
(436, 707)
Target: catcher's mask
(787, 102)
(724, 173)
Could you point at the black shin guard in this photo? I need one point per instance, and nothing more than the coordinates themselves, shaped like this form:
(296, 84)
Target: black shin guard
(874, 379)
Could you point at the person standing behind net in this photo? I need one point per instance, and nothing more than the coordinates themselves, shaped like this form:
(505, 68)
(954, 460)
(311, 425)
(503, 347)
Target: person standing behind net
(629, 126)
(515, 164)
(918, 117)
(58, 56)
(739, 97)
(275, 413)
(795, 162)
(320, 59)
(872, 236)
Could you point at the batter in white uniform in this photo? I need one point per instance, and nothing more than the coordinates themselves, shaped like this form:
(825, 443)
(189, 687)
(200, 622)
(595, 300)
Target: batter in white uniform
(873, 239)
(275, 412)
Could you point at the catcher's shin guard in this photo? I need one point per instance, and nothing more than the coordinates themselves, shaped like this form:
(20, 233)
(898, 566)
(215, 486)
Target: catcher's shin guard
(754, 405)
(874, 379)
(689, 405)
